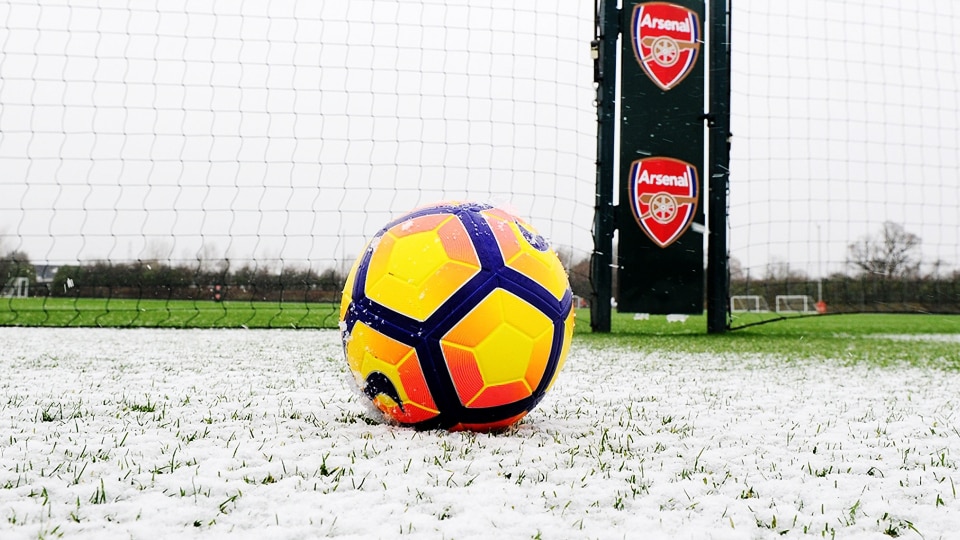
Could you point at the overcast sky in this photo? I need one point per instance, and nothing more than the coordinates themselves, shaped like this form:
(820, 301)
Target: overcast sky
(846, 114)
(284, 129)
(293, 130)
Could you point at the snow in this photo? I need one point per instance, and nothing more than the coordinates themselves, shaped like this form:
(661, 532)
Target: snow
(940, 338)
(128, 433)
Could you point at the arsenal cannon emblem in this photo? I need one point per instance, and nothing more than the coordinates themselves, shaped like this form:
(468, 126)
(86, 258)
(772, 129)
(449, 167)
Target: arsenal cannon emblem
(663, 197)
(666, 41)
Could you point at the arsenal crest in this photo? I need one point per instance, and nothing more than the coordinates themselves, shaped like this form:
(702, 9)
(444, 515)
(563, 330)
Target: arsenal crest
(663, 197)
(666, 41)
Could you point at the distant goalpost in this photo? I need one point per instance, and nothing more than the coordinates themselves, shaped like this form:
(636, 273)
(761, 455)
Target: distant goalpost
(795, 303)
(783, 304)
(748, 303)
(17, 287)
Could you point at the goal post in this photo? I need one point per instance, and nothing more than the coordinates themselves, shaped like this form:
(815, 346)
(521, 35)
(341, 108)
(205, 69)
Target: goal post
(16, 287)
(795, 303)
(673, 146)
(748, 303)
(856, 208)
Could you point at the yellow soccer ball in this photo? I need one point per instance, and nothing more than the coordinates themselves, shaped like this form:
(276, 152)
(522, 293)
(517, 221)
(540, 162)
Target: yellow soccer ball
(456, 316)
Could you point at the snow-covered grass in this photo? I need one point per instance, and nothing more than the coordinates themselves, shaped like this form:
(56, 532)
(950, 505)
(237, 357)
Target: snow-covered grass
(255, 434)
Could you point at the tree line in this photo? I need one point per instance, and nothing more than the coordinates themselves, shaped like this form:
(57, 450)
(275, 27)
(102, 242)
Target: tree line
(884, 275)
(161, 280)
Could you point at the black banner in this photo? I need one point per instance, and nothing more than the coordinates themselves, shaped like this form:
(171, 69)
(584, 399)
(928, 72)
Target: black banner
(660, 217)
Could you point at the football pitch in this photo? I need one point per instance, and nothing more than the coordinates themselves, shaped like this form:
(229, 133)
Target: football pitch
(833, 426)
(159, 313)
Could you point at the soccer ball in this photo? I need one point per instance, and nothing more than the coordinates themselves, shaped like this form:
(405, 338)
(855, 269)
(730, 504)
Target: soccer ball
(456, 316)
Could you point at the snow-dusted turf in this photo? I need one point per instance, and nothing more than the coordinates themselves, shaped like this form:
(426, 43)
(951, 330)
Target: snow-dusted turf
(255, 434)
(940, 338)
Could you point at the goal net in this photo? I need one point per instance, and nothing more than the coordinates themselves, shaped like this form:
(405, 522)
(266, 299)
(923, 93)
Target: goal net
(844, 157)
(156, 152)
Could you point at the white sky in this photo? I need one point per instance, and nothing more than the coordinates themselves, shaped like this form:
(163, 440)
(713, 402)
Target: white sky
(286, 129)
(845, 114)
(293, 130)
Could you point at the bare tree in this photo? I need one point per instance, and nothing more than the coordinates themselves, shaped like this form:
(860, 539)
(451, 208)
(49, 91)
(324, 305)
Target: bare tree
(892, 253)
(157, 250)
(15, 264)
(737, 273)
(579, 275)
(207, 259)
(3, 243)
(565, 254)
(779, 270)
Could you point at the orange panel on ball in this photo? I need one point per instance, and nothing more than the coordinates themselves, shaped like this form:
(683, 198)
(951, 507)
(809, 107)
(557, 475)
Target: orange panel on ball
(464, 372)
(502, 226)
(457, 243)
(539, 359)
(411, 377)
(418, 224)
(410, 414)
(500, 394)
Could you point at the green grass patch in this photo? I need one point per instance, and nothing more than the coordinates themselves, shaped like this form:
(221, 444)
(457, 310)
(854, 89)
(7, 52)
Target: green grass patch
(96, 312)
(776, 325)
(866, 337)
(853, 337)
